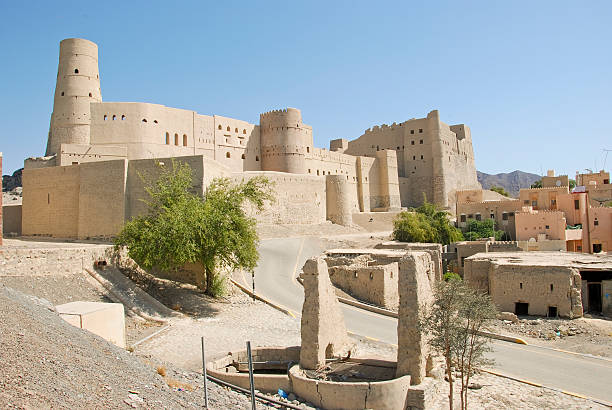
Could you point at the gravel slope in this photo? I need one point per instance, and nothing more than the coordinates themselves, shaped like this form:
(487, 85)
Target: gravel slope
(47, 363)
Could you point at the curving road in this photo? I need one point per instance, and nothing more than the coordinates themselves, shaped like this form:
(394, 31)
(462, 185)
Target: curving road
(281, 259)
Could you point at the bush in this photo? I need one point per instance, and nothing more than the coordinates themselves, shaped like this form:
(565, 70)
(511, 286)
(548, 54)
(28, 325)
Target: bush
(427, 223)
(482, 229)
(451, 276)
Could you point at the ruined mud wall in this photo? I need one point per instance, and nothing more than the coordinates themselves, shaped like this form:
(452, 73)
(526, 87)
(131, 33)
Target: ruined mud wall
(539, 286)
(372, 284)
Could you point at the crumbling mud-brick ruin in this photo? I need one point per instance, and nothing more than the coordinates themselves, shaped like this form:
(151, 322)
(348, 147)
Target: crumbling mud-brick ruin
(87, 183)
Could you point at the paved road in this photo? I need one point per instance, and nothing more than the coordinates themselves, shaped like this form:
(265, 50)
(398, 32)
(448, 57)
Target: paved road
(275, 280)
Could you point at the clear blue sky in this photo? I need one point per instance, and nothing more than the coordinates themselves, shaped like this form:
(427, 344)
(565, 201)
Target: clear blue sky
(533, 79)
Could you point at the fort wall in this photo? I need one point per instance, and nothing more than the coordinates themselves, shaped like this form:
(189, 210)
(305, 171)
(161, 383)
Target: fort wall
(341, 199)
(77, 201)
(299, 199)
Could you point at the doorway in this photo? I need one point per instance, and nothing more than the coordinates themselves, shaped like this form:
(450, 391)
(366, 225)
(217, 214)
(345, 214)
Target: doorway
(552, 311)
(521, 309)
(594, 291)
(596, 248)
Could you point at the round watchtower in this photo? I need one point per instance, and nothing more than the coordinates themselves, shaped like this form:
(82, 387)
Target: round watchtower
(78, 85)
(285, 140)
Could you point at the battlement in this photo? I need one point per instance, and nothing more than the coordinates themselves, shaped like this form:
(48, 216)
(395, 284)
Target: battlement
(553, 188)
(491, 202)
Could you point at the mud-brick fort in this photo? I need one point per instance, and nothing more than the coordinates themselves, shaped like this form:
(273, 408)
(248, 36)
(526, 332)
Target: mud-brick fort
(88, 184)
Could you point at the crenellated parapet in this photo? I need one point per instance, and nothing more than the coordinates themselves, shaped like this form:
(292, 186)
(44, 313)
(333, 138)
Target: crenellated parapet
(285, 141)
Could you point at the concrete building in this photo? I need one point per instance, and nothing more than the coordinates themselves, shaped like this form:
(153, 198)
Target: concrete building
(67, 196)
(544, 283)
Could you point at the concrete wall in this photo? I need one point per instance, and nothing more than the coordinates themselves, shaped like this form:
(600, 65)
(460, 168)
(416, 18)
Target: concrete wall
(539, 286)
(10, 219)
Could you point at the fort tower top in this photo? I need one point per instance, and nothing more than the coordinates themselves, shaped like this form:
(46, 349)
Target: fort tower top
(77, 85)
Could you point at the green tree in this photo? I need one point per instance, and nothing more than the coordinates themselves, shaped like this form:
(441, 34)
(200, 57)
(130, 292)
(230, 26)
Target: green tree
(182, 227)
(454, 323)
(482, 229)
(427, 223)
(537, 184)
(499, 190)
(572, 183)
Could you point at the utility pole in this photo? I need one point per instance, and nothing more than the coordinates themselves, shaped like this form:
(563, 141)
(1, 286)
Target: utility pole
(606, 157)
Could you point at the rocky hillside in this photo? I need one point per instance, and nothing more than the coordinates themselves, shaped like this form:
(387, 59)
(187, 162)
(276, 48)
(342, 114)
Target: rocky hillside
(511, 182)
(10, 182)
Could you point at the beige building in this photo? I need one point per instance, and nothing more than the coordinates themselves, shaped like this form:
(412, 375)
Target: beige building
(544, 283)
(85, 186)
(481, 204)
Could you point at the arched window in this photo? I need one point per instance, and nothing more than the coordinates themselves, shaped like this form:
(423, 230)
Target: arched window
(123, 117)
(236, 130)
(256, 158)
(167, 138)
(244, 131)
(175, 139)
(220, 126)
(114, 117)
(144, 120)
(62, 93)
(76, 70)
(90, 94)
(155, 121)
(227, 155)
(184, 140)
(228, 128)
(105, 116)
(243, 156)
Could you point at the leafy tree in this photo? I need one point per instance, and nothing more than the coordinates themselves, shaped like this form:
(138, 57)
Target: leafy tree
(499, 190)
(537, 184)
(427, 223)
(182, 227)
(454, 323)
(482, 229)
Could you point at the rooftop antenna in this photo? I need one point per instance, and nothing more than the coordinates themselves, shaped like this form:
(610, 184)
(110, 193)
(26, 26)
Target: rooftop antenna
(606, 157)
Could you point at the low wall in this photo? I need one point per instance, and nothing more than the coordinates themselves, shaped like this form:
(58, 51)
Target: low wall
(267, 383)
(11, 220)
(387, 394)
(51, 261)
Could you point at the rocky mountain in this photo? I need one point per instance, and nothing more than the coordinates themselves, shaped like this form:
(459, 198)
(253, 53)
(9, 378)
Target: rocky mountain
(10, 182)
(511, 182)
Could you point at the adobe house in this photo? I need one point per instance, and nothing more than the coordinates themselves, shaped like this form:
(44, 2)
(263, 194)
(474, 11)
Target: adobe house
(544, 283)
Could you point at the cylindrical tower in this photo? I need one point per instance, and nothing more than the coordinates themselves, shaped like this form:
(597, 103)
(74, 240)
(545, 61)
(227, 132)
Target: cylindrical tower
(78, 85)
(285, 140)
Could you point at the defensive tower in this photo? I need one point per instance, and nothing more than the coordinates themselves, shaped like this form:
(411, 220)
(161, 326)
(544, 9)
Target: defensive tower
(285, 141)
(77, 85)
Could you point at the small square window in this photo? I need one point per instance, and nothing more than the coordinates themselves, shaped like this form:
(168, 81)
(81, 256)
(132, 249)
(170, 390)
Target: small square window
(421, 141)
(420, 130)
(421, 157)
(547, 227)
(463, 218)
(411, 142)
(504, 216)
(492, 216)
(478, 217)
(412, 131)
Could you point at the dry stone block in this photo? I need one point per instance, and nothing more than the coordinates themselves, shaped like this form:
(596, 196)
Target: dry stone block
(323, 329)
(416, 278)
